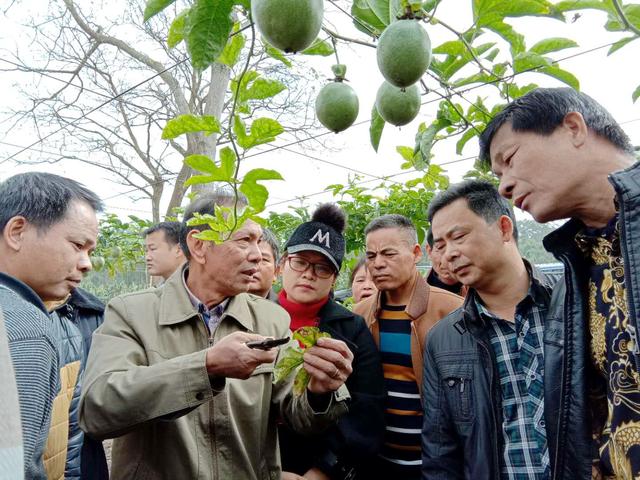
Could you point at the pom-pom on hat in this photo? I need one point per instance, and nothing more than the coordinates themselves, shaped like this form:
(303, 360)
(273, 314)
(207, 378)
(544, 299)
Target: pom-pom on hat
(323, 234)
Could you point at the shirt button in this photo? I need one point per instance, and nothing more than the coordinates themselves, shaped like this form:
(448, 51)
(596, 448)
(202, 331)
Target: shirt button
(521, 334)
(532, 377)
(199, 396)
(451, 383)
(542, 424)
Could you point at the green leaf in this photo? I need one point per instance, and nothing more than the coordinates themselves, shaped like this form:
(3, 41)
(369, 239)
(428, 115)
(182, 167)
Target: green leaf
(209, 25)
(199, 180)
(202, 163)
(466, 136)
(257, 194)
(239, 130)
(319, 47)
(405, 152)
(177, 29)
(290, 359)
(228, 162)
(452, 47)
(301, 381)
(635, 94)
(375, 130)
(154, 7)
(263, 130)
(262, 88)
(631, 12)
(506, 31)
(555, 44)
(366, 20)
(571, 5)
(308, 336)
(620, 43)
(210, 235)
(232, 50)
(189, 124)
(276, 54)
(527, 61)
(562, 75)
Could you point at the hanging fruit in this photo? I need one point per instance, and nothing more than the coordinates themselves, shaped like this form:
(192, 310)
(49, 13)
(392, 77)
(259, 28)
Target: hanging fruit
(404, 52)
(290, 25)
(337, 103)
(398, 106)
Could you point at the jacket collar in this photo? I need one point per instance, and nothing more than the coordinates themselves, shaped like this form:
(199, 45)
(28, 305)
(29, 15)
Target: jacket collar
(176, 306)
(418, 301)
(333, 311)
(82, 299)
(23, 290)
(562, 240)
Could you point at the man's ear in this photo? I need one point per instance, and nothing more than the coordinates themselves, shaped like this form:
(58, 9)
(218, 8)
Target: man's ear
(14, 232)
(417, 253)
(505, 224)
(197, 247)
(178, 251)
(574, 124)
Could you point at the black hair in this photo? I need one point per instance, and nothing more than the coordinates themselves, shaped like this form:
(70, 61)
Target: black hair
(206, 205)
(430, 237)
(542, 110)
(393, 220)
(358, 266)
(43, 199)
(481, 196)
(332, 215)
(172, 231)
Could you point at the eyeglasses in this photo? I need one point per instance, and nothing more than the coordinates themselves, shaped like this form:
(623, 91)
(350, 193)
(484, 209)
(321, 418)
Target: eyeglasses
(321, 270)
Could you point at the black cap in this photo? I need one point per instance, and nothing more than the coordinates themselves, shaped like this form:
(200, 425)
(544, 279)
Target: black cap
(323, 234)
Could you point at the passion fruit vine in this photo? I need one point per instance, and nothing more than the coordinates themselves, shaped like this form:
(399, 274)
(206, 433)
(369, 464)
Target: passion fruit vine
(337, 103)
(290, 25)
(404, 52)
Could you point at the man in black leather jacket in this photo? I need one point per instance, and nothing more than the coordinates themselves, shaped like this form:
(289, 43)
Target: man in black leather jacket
(484, 367)
(559, 154)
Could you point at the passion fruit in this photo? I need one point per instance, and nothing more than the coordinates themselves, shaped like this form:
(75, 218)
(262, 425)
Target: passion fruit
(337, 103)
(398, 106)
(404, 52)
(290, 25)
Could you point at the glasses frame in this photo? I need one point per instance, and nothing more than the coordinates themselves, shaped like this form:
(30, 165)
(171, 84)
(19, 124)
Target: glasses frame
(310, 265)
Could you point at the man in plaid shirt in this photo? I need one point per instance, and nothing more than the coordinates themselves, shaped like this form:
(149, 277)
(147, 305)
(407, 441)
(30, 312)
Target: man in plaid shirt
(484, 365)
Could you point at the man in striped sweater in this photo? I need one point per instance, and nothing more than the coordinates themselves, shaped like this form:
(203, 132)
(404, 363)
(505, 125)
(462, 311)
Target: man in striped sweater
(49, 228)
(400, 316)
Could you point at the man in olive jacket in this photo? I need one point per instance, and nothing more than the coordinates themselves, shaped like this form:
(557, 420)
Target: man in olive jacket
(171, 376)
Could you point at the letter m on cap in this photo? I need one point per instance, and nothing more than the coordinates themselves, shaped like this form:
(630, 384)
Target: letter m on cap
(320, 237)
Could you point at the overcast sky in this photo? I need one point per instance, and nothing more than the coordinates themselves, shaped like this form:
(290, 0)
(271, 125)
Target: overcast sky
(610, 80)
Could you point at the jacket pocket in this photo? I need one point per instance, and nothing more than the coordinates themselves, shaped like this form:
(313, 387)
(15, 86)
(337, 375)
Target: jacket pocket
(457, 385)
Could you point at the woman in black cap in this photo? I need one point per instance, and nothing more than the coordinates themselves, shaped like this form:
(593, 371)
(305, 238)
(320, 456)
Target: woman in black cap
(310, 266)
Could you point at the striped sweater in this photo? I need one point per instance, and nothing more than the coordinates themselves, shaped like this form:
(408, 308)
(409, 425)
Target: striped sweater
(11, 456)
(35, 361)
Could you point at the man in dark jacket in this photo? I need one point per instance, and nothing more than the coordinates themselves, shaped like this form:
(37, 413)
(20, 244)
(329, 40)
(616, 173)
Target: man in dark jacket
(559, 154)
(49, 227)
(484, 366)
(77, 318)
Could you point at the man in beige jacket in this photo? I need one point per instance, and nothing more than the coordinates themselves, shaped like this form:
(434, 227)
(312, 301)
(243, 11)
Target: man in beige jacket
(170, 374)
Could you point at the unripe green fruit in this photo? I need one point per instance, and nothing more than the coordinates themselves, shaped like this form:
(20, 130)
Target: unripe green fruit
(116, 252)
(396, 106)
(290, 25)
(337, 106)
(404, 52)
(97, 263)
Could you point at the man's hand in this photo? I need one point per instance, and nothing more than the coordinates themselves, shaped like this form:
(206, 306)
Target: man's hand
(230, 357)
(328, 364)
(291, 476)
(315, 474)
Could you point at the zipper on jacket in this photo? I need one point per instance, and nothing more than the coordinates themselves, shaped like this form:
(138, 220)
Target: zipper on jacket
(565, 307)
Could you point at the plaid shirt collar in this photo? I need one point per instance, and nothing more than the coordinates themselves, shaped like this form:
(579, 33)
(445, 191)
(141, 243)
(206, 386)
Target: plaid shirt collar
(211, 316)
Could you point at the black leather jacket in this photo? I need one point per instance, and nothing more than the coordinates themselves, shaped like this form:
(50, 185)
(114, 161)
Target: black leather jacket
(461, 437)
(567, 358)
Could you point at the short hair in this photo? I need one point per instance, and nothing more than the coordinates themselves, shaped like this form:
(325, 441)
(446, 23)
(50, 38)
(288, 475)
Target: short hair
(206, 205)
(269, 237)
(393, 220)
(430, 237)
(482, 198)
(43, 199)
(542, 110)
(172, 231)
(361, 263)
